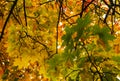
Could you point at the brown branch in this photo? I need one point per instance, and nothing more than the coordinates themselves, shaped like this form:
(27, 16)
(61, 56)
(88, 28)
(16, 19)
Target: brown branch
(25, 15)
(97, 71)
(80, 12)
(60, 10)
(46, 48)
(71, 73)
(20, 19)
(5, 24)
(83, 4)
(83, 9)
(16, 18)
(106, 15)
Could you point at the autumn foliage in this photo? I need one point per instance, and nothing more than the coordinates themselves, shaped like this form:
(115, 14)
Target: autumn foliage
(59, 40)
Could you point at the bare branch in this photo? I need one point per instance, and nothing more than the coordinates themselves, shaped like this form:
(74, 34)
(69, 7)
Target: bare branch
(5, 24)
(25, 15)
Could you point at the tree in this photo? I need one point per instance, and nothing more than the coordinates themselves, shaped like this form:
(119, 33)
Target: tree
(60, 39)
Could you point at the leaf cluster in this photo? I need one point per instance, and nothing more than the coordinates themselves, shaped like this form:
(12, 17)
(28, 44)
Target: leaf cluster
(85, 52)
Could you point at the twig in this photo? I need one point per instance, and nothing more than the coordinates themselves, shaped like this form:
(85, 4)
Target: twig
(71, 73)
(46, 2)
(97, 71)
(46, 48)
(16, 18)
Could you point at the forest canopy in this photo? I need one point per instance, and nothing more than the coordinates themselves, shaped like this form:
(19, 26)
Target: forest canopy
(59, 40)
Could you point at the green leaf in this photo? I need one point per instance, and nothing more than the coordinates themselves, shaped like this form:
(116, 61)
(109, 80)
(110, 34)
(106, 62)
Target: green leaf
(104, 35)
(16, 79)
(116, 58)
(54, 61)
(77, 52)
(15, 68)
(69, 79)
(67, 56)
(67, 37)
(108, 77)
(5, 75)
(82, 23)
(81, 62)
(78, 77)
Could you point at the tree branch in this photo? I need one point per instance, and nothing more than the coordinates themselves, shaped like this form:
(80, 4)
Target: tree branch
(16, 18)
(5, 24)
(83, 9)
(60, 10)
(25, 15)
(97, 71)
(46, 48)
